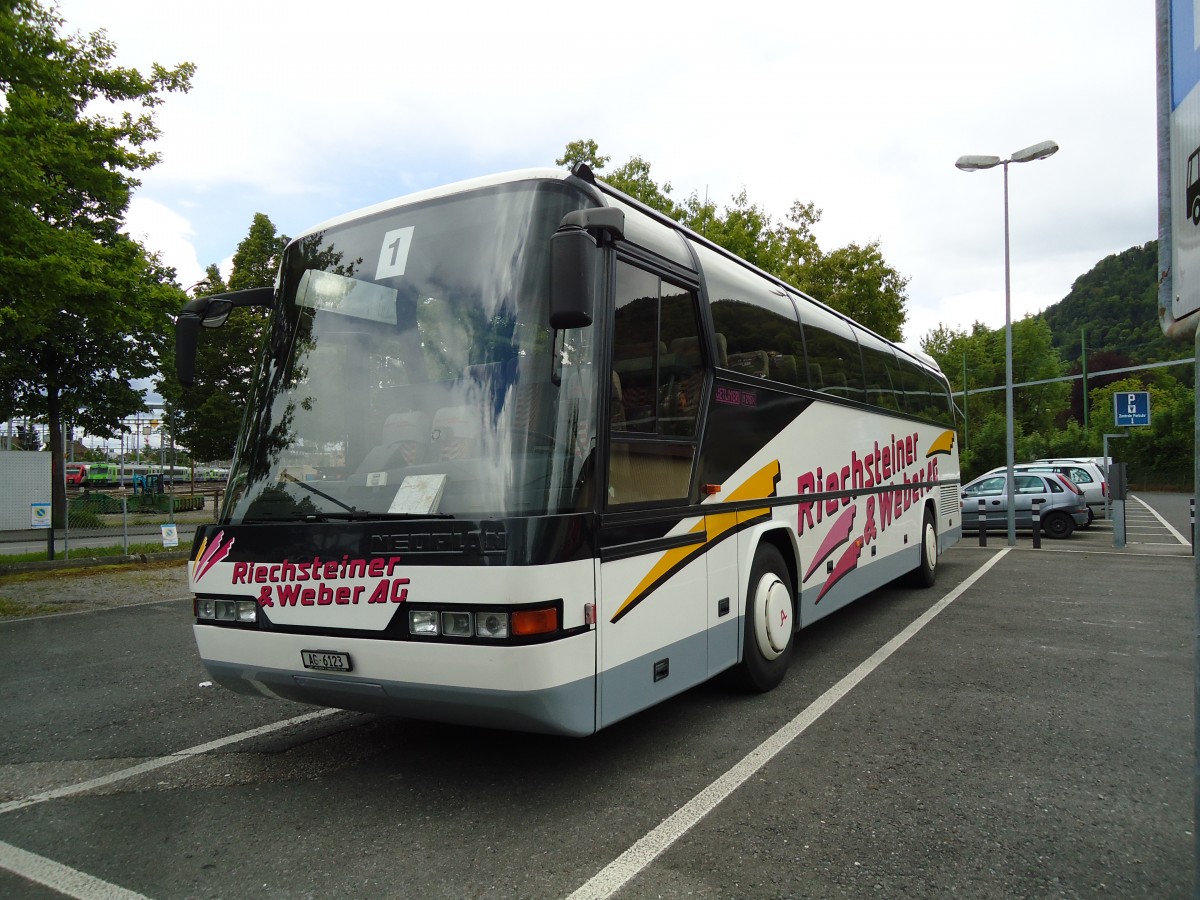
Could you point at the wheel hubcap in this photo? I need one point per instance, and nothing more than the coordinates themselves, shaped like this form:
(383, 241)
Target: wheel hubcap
(773, 622)
(931, 546)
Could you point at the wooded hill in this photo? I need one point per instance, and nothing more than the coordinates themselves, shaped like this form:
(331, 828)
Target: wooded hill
(1115, 307)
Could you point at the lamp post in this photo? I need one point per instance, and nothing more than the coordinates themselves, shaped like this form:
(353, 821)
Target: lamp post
(971, 164)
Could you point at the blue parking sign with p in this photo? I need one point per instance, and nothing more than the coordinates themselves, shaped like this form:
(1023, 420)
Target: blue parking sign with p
(1132, 408)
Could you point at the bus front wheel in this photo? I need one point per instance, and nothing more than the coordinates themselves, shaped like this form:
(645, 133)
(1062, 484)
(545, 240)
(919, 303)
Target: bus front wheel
(770, 622)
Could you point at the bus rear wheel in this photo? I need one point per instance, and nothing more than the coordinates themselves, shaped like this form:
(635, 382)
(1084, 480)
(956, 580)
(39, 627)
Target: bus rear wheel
(770, 622)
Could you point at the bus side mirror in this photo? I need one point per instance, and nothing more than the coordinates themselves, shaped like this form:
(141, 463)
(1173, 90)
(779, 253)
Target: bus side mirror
(211, 312)
(575, 263)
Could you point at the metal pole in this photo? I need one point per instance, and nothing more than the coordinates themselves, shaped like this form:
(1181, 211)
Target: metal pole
(966, 416)
(1196, 623)
(1108, 493)
(1083, 356)
(1008, 376)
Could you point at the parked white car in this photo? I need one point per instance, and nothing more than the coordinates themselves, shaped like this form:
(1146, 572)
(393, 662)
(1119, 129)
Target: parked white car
(1090, 473)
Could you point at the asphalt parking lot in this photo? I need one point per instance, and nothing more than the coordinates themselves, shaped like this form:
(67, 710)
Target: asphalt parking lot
(1023, 729)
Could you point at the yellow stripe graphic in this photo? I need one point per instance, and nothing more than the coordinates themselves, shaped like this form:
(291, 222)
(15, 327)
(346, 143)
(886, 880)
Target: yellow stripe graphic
(760, 485)
(943, 444)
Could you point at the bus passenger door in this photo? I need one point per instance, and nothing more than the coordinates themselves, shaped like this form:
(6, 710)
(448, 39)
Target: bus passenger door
(654, 608)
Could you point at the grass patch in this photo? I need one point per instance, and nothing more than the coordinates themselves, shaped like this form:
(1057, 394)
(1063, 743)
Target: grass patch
(10, 610)
(83, 553)
(10, 578)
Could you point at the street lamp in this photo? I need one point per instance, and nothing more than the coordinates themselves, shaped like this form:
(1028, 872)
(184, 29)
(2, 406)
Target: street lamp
(971, 164)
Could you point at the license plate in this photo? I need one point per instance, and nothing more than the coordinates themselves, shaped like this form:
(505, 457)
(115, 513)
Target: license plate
(325, 660)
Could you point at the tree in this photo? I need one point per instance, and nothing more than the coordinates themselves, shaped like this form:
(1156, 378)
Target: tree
(1162, 453)
(634, 179)
(1036, 408)
(854, 279)
(583, 152)
(82, 304)
(857, 281)
(208, 414)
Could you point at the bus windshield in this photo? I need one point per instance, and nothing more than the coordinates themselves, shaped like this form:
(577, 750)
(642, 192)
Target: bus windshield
(410, 369)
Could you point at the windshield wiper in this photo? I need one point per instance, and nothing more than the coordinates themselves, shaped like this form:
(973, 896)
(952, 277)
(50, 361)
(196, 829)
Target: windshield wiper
(308, 487)
(366, 515)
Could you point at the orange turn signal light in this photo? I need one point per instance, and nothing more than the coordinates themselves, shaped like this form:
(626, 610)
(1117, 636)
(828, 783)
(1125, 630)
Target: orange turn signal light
(534, 621)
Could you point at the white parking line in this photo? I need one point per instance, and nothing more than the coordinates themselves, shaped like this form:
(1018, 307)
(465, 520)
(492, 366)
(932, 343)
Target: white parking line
(80, 885)
(58, 877)
(1165, 524)
(644, 851)
(159, 762)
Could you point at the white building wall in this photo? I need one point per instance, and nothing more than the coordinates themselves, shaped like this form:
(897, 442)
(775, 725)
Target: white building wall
(24, 479)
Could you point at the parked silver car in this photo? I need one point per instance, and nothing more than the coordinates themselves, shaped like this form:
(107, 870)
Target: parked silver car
(1063, 507)
(1084, 474)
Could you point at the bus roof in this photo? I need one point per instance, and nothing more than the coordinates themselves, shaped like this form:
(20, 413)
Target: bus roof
(448, 190)
(582, 176)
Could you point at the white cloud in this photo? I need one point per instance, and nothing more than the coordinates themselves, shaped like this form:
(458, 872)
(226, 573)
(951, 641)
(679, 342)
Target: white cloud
(163, 231)
(305, 110)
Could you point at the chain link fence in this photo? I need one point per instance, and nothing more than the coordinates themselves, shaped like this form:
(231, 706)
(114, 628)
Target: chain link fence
(118, 521)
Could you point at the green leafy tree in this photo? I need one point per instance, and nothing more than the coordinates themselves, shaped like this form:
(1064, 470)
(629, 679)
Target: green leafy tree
(210, 412)
(854, 279)
(1114, 307)
(976, 359)
(81, 303)
(1163, 453)
(584, 151)
(857, 281)
(634, 179)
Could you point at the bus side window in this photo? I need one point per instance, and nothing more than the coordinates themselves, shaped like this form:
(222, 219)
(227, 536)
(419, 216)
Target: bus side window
(636, 347)
(658, 390)
(759, 318)
(882, 373)
(834, 363)
(681, 375)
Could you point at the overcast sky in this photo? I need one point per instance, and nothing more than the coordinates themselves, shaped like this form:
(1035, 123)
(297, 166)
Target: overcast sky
(304, 110)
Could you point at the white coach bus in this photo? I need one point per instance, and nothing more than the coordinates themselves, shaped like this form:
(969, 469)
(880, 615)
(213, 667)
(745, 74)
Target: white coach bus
(524, 453)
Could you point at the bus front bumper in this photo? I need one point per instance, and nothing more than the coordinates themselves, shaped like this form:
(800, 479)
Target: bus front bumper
(548, 688)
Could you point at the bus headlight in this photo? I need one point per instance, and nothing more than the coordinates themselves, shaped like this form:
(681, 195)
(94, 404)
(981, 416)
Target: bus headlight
(491, 625)
(244, 612)
(422, 621)
(456, 624)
